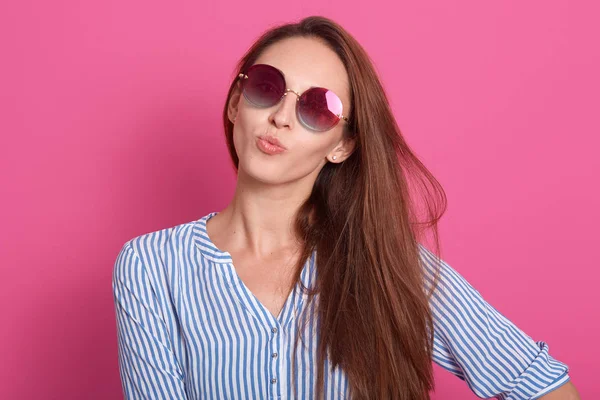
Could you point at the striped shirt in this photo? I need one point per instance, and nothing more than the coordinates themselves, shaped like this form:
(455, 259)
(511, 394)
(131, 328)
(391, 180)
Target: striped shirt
(188, 328)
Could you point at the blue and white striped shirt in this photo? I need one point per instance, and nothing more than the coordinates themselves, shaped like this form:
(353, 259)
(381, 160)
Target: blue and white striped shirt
(188, 328)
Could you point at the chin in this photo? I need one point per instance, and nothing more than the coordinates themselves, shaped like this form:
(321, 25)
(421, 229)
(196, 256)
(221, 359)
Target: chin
(260, 170)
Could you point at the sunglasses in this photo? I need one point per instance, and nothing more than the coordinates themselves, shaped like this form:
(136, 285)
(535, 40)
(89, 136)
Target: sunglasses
(318, 109)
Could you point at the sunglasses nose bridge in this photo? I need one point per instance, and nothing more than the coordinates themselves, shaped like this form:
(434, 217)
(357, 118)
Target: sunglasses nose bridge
(290, 90)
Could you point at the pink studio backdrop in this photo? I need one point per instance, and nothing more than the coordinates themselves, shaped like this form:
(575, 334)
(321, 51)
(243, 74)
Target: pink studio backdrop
(110, 124)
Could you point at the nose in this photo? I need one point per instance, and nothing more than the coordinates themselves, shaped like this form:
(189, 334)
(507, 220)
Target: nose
(284, 114)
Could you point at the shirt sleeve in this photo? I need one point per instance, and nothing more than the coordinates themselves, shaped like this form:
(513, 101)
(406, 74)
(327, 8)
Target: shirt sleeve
(475, 342)
(147, 364)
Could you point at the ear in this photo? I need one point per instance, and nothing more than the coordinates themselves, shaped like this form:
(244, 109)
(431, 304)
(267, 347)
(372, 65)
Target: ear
(232, 106)
(342, 150)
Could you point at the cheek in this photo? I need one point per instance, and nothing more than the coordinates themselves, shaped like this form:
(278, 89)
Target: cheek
(241, 137)
(236, 139)
(317, 145)
(310, 151)
(307, 156)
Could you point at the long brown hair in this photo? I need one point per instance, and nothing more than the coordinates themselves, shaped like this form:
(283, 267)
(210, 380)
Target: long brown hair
(365, 221)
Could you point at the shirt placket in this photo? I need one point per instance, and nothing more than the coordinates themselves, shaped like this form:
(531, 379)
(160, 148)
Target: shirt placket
(276, 379)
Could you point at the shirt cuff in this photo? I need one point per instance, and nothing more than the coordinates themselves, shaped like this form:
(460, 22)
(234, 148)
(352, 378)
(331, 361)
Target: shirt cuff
(542, 376)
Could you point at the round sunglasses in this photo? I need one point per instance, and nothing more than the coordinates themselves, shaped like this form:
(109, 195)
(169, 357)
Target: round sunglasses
(317, 108)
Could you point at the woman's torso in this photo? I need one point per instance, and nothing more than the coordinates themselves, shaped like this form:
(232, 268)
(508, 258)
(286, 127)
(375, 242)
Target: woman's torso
(225, 334)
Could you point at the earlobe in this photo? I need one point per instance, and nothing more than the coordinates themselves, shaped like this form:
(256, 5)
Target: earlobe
(232, 115)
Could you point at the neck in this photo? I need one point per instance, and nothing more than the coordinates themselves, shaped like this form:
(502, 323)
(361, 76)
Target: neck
(260, 218)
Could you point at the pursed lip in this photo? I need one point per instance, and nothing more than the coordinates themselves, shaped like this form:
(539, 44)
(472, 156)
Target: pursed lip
(273, 140)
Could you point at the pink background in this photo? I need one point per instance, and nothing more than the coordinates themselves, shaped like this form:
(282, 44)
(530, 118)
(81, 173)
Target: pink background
(110, 124)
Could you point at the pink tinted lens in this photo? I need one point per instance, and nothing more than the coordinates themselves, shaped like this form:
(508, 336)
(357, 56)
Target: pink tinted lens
(319, 108)
(265, 85)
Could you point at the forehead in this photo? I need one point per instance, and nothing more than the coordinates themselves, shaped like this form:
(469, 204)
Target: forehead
(308, 62)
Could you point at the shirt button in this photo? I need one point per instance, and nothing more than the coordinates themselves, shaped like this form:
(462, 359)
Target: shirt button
(274, 330)
(274, 355)
(273, 380)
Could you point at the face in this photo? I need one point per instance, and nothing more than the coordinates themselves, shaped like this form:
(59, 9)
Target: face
(305, 63)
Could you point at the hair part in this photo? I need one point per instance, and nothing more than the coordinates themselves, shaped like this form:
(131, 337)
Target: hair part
(363, 219)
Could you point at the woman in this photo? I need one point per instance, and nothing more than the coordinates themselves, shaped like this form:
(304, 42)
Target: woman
(231, 306)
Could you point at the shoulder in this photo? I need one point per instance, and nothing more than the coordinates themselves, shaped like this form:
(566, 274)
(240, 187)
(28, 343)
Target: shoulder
(444, 283)
(156, 252)
(436, 272)
(153, 243)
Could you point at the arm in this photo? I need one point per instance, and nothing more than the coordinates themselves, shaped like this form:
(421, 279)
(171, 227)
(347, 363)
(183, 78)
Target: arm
(478, 344)
(147, 364)
(565, 392)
